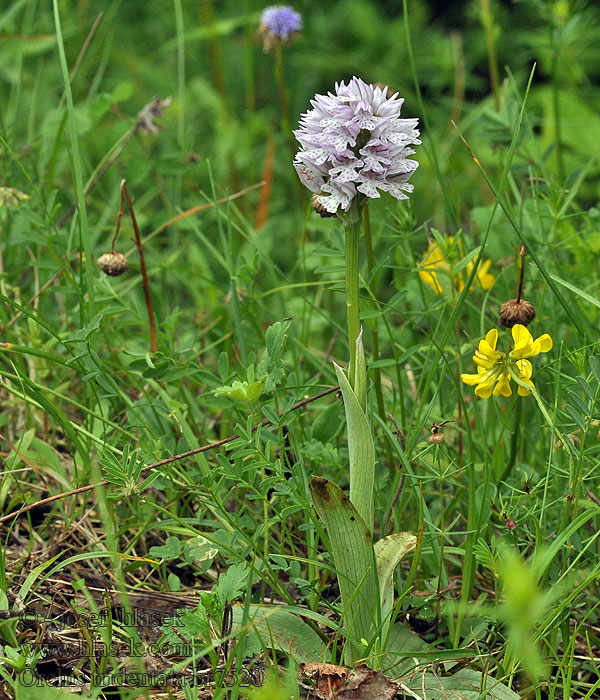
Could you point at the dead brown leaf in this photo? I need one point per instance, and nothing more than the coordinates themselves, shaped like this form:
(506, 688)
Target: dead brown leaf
(341, 683)
(328, 678)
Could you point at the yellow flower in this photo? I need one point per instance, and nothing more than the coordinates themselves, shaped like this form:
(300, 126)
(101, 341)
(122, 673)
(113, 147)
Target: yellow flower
(484, 277)
(435, 266)
(432, 260)
(526, 346)
(495, 369)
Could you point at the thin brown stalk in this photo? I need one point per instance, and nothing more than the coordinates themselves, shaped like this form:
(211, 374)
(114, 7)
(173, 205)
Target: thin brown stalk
(118, 226)
(459, 417)
(488, 26)
(459, 76)
(522, 253)
(162, 462)
(216, 64)
(140, 248)
(262, 210)
(86, 43)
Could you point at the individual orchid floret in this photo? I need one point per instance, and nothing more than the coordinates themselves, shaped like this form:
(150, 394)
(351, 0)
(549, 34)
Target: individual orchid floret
(495, 369)
(279, 24)
(354, 144)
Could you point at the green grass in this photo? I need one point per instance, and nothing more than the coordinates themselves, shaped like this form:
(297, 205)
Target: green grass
(501, 592)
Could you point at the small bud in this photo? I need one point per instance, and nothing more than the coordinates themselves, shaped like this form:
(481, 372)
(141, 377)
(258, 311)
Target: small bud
(511, 524)
(436, 438)
(514, 311)
(113, 264)
(319, 208)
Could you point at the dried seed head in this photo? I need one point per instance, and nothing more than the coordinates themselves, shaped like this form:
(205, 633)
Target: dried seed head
(514, 311)
(319, 208)
(113, 264)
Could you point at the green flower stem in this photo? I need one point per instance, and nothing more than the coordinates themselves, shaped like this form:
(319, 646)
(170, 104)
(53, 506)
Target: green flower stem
(514, 442)
(374, 331)
(352, 222)
(285, 108)
(87, 273)
(540, 403)
(488, 24)
(285, 112)
(555, 40)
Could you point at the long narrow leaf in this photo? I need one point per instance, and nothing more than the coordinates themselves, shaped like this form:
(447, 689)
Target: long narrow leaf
(361, 451)
(388, 553)
(354, 560)
(290, 633)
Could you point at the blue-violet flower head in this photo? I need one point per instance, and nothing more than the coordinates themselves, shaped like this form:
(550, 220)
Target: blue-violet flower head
(279, 24)
(354, 143)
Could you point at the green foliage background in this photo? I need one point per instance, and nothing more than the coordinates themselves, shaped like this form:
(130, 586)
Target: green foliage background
(79, 383)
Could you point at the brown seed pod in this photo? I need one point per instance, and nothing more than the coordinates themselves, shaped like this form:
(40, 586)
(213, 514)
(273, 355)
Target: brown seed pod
(319, 208)
(436, 438)
(113, 264)
(516, 311)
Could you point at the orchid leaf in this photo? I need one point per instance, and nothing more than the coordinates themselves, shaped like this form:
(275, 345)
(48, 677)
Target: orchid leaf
(361, 451)
(388, 553)
(283, 630)
(465, 684)
(354, 560)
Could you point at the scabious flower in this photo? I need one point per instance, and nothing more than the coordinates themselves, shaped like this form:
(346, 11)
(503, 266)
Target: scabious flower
(435, 266)
(279, 24)
(497, 368)
(353, 143)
